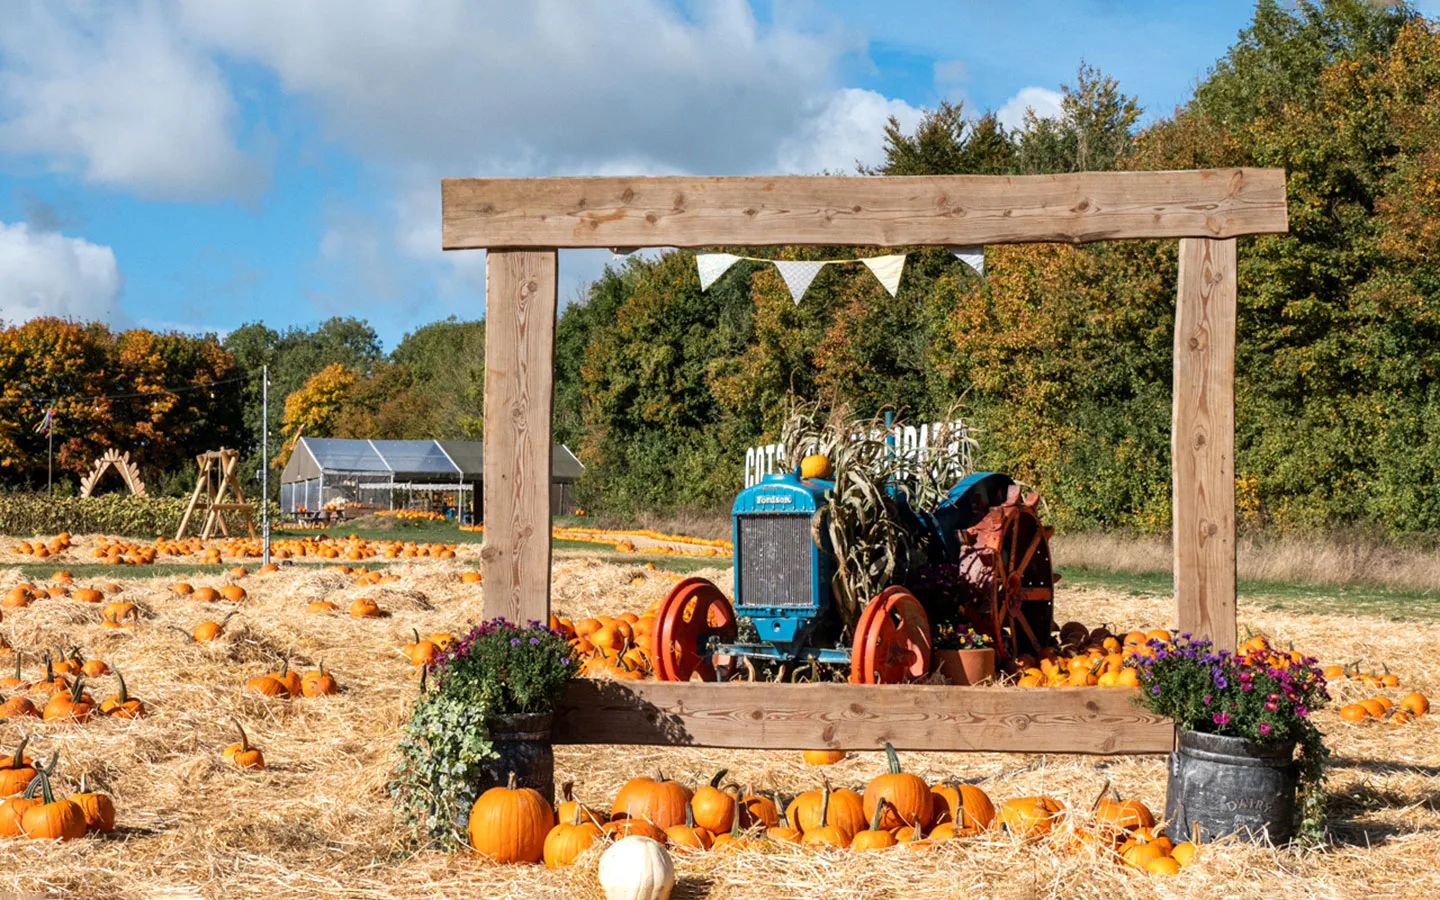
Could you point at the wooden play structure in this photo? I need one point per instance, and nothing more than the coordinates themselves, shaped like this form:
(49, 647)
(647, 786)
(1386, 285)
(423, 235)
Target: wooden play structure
(218, 483)
(522, 222)
(129, 472)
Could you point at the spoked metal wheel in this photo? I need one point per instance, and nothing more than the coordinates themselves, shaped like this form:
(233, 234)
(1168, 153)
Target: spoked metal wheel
(892, 640)
(694, 611)
(1006, 563)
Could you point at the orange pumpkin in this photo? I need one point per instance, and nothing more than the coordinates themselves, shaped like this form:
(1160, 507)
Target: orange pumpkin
(242, 755)
(965, 805)
(874, 837)
(823, 757)
(847, 810)
(712, 808)
(658, 801)
(824, 834)
(1030, 816)
(909, 797)
(567, 840)
(509, 824)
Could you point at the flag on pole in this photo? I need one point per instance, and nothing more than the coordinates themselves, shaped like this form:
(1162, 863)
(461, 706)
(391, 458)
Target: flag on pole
(45, 422)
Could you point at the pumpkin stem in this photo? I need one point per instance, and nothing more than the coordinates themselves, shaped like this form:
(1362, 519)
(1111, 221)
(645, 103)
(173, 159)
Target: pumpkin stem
(689, 816)
(1100, 796)
(423, 671)
(18, 655)
(416, 632)
(49, 668)
(124, 694)
(188, 636)
(228, 616)
(875, 816)
(715, 782)
(284, 667)
(82, 781)
(567, 792)
(18, 759)
(244, 739)
(824, 803)
(892, 758)
(77, 691)
(43, 776)
(510, 783)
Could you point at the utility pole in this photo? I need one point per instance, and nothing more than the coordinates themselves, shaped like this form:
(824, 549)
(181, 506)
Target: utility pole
(265, 463)
(50, 464)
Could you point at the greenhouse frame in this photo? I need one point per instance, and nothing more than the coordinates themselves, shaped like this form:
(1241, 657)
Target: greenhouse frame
(386, 474)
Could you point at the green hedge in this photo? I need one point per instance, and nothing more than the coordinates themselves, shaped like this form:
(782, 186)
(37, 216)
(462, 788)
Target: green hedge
(114, 514)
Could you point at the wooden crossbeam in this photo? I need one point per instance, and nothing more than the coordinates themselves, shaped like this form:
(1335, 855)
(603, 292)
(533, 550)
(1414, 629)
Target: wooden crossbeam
(859, 717)
(686, 211)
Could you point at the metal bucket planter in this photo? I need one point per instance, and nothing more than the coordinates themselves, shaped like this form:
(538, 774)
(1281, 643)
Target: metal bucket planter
(522, 746)
(1229, 785)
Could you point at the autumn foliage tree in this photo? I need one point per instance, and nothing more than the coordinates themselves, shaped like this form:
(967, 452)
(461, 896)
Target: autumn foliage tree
(148, 393)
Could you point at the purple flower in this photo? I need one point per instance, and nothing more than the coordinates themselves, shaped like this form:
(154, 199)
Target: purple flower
(1263, 728)
(564, 660)
(1207, 699)
(1221, 718)
(534, 640)
(1302, 710)
(514, 642)
(1155, 690)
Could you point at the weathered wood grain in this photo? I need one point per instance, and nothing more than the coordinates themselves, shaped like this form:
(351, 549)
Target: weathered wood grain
(1203, 441)
(684, 211)
(520, 289)
(859, 717)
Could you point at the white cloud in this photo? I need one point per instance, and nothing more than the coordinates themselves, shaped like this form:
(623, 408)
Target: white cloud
(1044, 101)
(848, 126)
(118, 97)
(538, 87)
(48, 274)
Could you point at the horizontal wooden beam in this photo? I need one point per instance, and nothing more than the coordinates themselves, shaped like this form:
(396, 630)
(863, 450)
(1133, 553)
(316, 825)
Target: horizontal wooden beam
(683, 211)
(859, 717)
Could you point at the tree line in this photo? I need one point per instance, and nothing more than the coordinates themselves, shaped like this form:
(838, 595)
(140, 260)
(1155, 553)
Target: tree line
(1061, 355)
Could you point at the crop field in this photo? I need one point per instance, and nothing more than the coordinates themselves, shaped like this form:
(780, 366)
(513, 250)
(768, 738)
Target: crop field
(318, 821)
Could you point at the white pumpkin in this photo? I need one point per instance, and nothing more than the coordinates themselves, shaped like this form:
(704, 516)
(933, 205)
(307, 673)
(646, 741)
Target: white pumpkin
(636, 868)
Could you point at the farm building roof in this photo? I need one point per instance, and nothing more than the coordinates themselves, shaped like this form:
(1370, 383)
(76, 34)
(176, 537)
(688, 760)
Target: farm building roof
(406, 460)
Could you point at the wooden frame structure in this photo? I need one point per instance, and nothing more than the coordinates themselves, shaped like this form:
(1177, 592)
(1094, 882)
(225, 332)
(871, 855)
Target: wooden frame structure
(523, 222)
(129, 472)
(216, 480)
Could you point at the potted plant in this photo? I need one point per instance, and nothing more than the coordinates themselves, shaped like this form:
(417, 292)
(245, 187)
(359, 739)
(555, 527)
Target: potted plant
(1240, 719)
(963, 655)
(485, 715)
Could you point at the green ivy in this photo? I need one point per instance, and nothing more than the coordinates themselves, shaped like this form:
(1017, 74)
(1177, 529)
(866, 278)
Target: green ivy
(438, 769)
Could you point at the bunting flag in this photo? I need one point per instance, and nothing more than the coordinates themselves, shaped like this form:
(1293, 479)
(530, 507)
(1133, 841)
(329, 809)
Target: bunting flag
(974, 257)
(887, 269)
(798, 274)
(712, 266)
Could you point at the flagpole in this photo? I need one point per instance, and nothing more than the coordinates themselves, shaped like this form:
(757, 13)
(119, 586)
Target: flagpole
(265, 462)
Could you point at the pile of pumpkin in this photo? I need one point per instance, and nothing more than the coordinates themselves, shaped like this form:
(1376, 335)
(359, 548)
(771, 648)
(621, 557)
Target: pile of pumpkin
(41, 549)
(31, 810)
(62, 700)
(703, 546)
(897, 809)
(611, 646)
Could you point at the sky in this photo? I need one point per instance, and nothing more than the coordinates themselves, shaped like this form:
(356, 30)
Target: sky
(197, 166)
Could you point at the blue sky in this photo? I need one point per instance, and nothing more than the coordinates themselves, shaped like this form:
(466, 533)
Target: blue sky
(198, 166)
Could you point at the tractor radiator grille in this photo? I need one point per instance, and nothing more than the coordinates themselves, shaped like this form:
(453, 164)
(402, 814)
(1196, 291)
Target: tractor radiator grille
(774, 556)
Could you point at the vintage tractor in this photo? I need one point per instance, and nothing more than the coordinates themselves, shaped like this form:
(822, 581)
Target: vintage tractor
(985, 527)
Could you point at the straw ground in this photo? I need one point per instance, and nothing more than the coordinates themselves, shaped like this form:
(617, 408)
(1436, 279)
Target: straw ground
(317, 822)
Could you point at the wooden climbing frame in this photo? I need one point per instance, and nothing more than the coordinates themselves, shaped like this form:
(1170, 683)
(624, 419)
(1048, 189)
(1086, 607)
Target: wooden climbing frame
(219, 483)
(523, 222)
(122, 464)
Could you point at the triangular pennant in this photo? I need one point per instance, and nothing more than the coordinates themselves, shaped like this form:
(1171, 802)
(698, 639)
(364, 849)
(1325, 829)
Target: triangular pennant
(712, 265)
(887, 269)
(798, 274)
(974, 257)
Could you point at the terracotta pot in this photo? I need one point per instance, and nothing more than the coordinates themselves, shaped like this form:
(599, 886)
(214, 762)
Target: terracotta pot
(966, 667)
